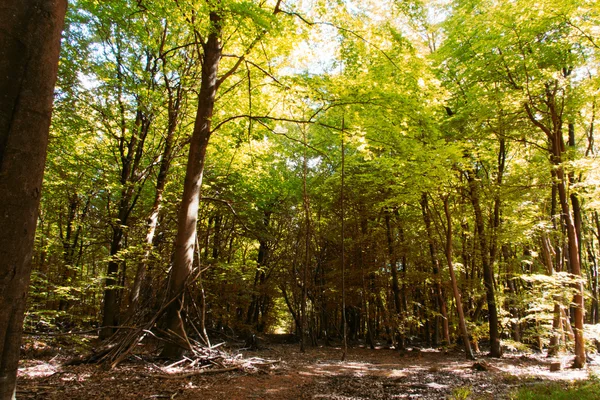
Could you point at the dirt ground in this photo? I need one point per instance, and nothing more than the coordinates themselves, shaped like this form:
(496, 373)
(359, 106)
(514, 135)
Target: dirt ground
(288, 374)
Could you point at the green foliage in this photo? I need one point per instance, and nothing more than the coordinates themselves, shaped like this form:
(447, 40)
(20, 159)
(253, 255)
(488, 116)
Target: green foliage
(583, 389)
(419, 104)
(461, 393)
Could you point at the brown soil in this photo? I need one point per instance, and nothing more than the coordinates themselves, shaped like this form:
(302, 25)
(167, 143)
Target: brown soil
(316, 374)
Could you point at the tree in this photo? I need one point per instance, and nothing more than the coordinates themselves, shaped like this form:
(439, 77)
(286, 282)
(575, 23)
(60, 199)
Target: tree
(29, 49)
(185, 242)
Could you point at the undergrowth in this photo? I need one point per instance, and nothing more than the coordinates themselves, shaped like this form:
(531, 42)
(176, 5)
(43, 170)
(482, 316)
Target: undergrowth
(579, 390)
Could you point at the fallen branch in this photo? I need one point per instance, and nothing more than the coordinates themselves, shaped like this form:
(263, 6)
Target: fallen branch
(194, 373)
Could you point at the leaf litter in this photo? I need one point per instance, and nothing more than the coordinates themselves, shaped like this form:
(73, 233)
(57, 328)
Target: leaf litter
(281, 371)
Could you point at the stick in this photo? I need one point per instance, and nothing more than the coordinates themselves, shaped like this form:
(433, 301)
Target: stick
(189, 374)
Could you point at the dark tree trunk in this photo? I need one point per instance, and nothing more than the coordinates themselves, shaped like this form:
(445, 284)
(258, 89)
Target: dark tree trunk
(29, 49)
(393, 268)
(488, 269)
(252, 317)
(188, 209)
(70, 241)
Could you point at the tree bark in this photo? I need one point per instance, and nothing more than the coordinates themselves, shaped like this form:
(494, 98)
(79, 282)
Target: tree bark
(306, 261)
(188, 210)
(343, 255)
(252, 317)
(30, 33)
(457, 298)
(574, 262)
(488, 270)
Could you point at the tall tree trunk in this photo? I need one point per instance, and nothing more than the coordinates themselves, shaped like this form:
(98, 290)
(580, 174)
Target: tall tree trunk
(595, 318)
(343, 236)
(188, 209)
(457, 298)
(29, 49)
(554, 133)
(574, 263)
(306, 261)
(488, 269)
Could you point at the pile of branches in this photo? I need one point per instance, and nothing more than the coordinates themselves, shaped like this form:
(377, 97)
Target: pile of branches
(201, 357)
(212, 362)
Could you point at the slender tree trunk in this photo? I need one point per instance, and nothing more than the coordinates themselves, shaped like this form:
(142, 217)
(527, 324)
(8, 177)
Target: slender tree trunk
(343, 235)
(259, 276)
(395, 280)
(306, 261)
(29, 49)
(556, 321)
(593, 281)
(152, 222)
(572, 247)
(188, 209)
(574, 262)
(488, 270)
(457, 298)
(512, 289)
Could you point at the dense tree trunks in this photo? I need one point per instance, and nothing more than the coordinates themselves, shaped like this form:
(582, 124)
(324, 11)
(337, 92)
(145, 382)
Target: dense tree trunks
(131, 153)
(440, 300)
(188, 209)
(488, 269)
(554, 134)
(512, 290)
(253, 314)
(556, 321)
(457, 298)
(30, 33)
(397, 293)
(70, 238)
(161, 182)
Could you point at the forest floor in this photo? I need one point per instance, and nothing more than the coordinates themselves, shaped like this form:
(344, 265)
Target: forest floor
(289, 374)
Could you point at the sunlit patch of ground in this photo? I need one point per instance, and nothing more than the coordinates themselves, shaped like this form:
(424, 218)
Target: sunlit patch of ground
(316, 374)
(37, 369)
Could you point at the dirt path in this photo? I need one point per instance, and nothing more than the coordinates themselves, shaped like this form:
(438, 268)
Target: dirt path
(316, 374)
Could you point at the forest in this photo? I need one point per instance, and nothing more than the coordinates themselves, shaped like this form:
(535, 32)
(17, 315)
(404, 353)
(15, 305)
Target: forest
(297, 197)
